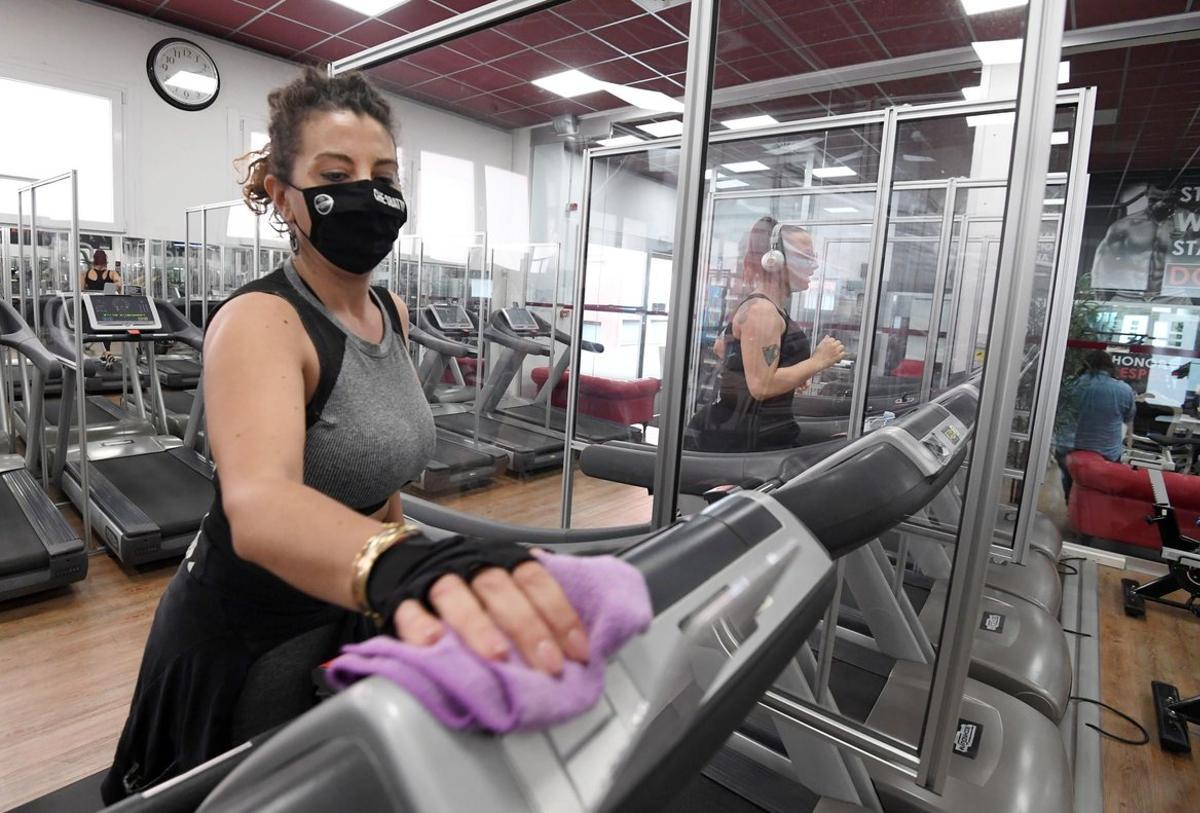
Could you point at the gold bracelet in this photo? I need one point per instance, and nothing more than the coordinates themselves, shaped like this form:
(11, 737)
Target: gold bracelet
(364, 562)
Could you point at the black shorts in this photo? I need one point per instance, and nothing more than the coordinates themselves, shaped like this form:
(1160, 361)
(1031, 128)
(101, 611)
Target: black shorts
(218, 616)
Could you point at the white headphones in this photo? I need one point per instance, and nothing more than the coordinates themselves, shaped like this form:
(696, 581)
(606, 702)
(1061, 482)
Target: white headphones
(774, 261)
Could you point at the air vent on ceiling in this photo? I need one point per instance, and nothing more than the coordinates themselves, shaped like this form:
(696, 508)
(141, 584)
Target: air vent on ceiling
(660, 5)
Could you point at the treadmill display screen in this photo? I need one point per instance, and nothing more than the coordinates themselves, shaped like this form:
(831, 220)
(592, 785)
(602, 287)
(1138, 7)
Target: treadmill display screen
(520, 319)
(122, 312)
(451, 317)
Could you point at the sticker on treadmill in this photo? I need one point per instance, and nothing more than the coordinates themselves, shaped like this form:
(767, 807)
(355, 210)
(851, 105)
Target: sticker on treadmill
(966, 741)
(992, 622)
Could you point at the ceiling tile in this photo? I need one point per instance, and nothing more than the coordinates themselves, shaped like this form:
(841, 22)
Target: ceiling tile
(638, 34)
(283, 32)
(486, 78)
(560, 106)
(771, 66)
(463, 5)
(322, 14)
(259, 44)
(259, 3)
(623, 71)
(373, 32)
(668, 60)
(591, 14)
(139, 6)
(526, 95)
(919, 39)
(401, 73)
(519, 118)
(662, 84)
(447, 90)
(192, 23)
(538, 28)
(884, 15)
(1001, 25)
(726, 76)
(333, 49)
(679, 16)
(529, 65)
(441, 60)
(579, 51)
(1104, 12)
(487, 104)
(486, 45)
(416, 14)
(225, 14)
(822, 25)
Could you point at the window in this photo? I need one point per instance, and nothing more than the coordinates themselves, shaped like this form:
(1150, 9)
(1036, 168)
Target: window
(445, 207)
(72, 130)
(591, 331)
(507, 206)
(631, 332)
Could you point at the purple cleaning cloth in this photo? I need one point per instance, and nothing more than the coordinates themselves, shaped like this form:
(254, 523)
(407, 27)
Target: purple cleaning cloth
(463, 690)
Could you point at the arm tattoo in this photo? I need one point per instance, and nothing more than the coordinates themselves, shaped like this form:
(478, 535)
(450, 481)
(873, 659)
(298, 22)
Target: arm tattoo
(771, 354)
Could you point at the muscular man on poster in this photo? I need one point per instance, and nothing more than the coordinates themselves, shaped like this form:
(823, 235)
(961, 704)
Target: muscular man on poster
(1132, 256)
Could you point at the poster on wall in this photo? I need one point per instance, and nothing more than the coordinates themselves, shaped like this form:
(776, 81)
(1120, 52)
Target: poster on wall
(1151, 242)
(1132, 368)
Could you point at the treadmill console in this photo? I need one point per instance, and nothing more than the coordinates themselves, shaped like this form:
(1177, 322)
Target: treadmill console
(450, 318)
(520, 320)
(120, 313)
(945, 439)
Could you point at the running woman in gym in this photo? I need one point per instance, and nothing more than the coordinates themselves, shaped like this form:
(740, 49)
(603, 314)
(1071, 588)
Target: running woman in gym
(765, 356)
(316, 419)
(94, 279)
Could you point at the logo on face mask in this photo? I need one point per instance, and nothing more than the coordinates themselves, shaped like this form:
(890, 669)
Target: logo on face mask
(388, 200)
(323, 204)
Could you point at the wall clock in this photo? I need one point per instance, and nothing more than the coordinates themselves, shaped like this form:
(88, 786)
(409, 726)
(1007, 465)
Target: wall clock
(183, 74)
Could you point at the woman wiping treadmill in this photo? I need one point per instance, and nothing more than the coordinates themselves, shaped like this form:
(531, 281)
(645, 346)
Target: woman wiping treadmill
(316, 420)
(765, 356)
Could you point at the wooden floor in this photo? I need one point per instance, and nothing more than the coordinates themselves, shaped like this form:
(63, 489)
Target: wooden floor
(1165, 646)
(69, 660)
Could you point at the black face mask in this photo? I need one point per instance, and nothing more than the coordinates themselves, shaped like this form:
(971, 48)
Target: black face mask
(354, 224)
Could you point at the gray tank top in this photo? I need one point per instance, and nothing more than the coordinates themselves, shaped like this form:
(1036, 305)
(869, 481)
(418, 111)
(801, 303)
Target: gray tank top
(375, 431)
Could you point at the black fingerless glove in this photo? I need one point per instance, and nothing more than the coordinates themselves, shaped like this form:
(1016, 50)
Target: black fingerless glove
(410, 568)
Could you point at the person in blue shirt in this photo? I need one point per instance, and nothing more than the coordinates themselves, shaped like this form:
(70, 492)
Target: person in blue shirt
(1098, 409)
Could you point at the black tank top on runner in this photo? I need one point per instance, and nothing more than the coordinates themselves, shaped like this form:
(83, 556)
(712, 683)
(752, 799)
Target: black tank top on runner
(737, 421)
(103, 277)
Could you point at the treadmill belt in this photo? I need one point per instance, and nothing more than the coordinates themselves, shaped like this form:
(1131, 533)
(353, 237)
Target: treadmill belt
(20, 548)
(586, 426)
(96, 415)
(510, 435)
(456, 456)
(178, 401)
(174, 496)
(855, 690)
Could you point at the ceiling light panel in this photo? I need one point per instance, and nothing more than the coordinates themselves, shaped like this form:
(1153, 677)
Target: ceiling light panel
(841, 210)
(833, 172)
(1060, 137)
(750, 122)
(569, 84)
(985, 6)
(371, 8)
(732, 183)
(620, 141)
(998, 52)
(663, 129)
(746, 166)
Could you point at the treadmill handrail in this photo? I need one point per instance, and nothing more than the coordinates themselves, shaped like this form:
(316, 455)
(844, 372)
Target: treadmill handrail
(20, 336)
(497, 331)
(439, 344)
(430, 513)
(565, 338)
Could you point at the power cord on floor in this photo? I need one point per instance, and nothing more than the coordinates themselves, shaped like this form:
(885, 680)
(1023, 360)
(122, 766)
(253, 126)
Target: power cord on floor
(1077, 632)
(1071, 569)
(1145, 734)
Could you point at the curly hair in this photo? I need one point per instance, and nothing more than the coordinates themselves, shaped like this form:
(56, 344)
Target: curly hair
(291, 105)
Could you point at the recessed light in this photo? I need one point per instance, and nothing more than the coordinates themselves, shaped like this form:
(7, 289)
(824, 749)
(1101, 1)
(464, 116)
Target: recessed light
(188, 80)
(620, 141)
(746, 166)
(916, 159)
(732, 183)
(1053, 202)
(645, 99)
(989, 119)
(973, 94)
(569, 84)
(841, 210)
(795, 146)
(663, 129)
(1060, 137)
(1064, 72)
(370, 7)
(984, 6)
(833, 172)
(749, 122)
(998, 52)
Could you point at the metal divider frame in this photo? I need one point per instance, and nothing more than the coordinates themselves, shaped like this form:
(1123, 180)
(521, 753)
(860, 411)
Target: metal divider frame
(76, 365)
(1059, 322)
(1035, 109)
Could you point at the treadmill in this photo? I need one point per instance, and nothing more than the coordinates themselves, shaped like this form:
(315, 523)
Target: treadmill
(148, 493)
(672, 696)
(38, 549)
(522, 333)
(529, 448)
(457, 462)
(179, 372)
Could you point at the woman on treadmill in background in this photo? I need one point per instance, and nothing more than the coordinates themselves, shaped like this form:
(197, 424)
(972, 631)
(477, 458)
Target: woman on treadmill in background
(306, 533)
(94, 279)
(765, 356)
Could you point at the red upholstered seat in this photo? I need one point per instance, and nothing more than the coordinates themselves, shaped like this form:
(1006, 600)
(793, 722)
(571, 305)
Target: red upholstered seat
(909, 368)
(466, 366)
(1111, 500)
(626, 402)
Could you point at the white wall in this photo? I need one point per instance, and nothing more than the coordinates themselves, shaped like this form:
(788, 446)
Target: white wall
(175, 159)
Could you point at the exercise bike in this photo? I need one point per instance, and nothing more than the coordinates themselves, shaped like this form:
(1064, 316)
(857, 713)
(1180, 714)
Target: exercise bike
(1182, 555)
